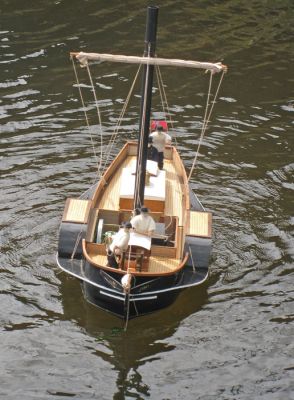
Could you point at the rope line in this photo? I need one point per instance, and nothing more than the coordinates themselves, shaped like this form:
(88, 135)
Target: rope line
(160, 91)
(164, 100)
(99, 116)
(203, 127)
(206, 118)
(85, 113)
(116, 131)
(160, 80)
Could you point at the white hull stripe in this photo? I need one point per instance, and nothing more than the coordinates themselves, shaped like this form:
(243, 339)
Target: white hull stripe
(139, 295)
(131, 299)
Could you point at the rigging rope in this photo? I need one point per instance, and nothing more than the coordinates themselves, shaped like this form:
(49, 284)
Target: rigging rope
(161, 88)
(164, 99)
(99, 116)
(85, 113)
(203, 127)
(114, 135)
(206, 118)
(102, 163)
(160, 91)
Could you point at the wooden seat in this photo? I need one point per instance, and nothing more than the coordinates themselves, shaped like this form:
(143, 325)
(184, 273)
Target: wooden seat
(136, 259)
(76, 210)
(200, 224)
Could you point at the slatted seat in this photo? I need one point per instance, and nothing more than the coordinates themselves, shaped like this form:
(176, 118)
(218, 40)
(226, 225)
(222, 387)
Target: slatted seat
(200, 224)
(76, 210)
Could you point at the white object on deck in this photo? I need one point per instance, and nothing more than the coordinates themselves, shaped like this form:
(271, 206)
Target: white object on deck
(154, 191)
(151, 167)
(136, 239)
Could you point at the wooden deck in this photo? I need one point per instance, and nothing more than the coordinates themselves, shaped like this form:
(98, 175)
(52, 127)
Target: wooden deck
(174, 193)
(110, 198)
(174, 206)
(157, 265)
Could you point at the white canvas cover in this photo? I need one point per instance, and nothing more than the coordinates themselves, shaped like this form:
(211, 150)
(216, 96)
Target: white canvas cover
(136, 239)
(154, 191)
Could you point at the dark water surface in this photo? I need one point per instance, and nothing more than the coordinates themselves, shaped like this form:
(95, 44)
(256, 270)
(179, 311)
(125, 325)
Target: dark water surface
(232, 340)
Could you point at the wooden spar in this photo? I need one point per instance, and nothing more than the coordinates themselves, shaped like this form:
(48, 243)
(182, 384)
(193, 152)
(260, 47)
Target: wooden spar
(145, 109)
(84, 58)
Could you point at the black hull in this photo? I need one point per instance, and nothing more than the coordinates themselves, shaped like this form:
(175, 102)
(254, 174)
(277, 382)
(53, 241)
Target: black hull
(137, 306)
(148, 294)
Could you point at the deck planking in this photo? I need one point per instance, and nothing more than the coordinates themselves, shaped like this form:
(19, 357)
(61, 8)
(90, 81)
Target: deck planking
(174, 192)
(156, 264)
(173, 207)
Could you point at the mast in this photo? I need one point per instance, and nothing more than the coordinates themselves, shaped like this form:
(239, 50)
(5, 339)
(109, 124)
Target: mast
(145, 110)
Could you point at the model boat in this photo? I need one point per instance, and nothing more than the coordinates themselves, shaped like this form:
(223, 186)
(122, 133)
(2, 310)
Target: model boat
(150, 273)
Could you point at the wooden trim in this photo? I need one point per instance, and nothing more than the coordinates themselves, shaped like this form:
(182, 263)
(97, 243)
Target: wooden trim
(179, 241)
(185, 259)
(132, 148)
(168, 152)
(110, 172)
(93, 217)
(76, 210)
(98, 248)
(112, 216)
(179, 166)
(153, 205)
(163, 251)
(126, 204)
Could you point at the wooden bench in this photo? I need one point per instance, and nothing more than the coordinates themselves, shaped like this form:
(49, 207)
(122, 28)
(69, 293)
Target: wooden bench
(76, 210)
(200, 224)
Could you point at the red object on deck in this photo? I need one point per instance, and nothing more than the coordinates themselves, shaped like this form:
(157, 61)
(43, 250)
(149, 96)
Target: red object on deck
(155, 124)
